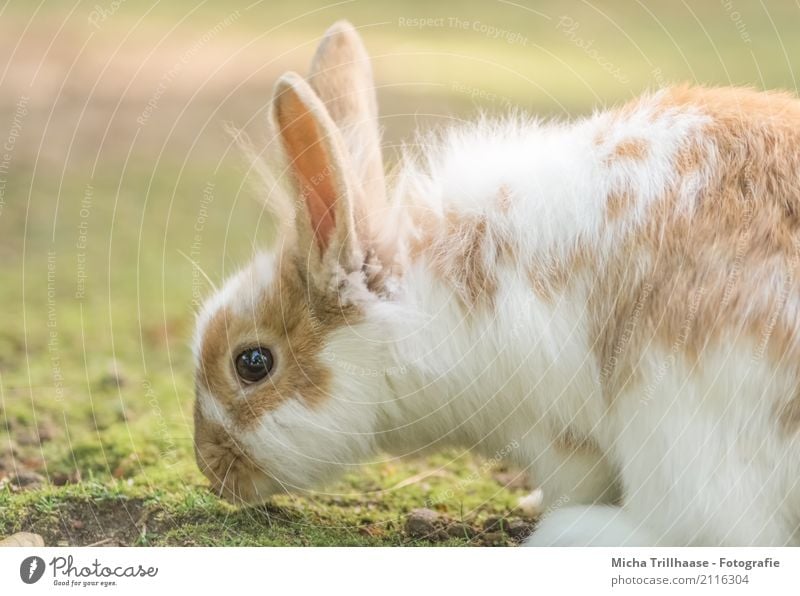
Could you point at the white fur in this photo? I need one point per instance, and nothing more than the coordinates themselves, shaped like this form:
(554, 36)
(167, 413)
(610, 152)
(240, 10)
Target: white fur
(420, 373)
(597, 525)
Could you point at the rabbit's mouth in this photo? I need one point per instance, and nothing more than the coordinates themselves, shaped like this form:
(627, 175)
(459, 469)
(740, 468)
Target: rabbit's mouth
(234, 477)
(246, 487)
(233, 474)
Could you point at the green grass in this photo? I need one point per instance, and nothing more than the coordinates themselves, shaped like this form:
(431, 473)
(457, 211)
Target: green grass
(112, 438)
(96, 385)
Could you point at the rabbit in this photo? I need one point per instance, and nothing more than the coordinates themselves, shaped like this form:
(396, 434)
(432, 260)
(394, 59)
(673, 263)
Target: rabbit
(612, 303)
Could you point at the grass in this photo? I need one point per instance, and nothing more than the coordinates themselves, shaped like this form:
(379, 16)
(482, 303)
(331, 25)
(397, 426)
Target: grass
(111, 437)
(97, 211)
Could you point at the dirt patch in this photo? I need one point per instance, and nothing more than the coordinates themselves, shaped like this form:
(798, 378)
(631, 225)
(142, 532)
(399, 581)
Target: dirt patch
(427, 524)
(118, 522)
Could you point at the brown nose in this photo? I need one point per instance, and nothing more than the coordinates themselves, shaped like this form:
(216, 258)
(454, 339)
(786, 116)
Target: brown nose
(230, 470)
(219, 458)
(231, 475)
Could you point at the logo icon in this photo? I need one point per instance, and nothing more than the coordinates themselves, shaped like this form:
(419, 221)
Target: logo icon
(31, 569)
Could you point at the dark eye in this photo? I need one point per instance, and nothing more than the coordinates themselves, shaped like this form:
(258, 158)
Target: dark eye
(254, 364)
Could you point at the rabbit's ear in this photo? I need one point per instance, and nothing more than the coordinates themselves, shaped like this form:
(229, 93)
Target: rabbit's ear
(318, 169)
(341, 75)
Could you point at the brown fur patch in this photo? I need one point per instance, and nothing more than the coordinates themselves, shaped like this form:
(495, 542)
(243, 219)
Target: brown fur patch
(629, 149)
(461, 258)
(690, 159)
(550, 275)
(618, 203)
(569, 442)
(293, 325)
(222, 461)
(722, 262)
(789, 416)
(463, 251)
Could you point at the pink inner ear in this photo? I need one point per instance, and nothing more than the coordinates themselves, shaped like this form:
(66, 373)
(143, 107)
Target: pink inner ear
(322, 216)
(311, 163)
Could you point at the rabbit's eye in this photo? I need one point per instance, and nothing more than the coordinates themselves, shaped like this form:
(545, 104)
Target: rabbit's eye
(254, 364)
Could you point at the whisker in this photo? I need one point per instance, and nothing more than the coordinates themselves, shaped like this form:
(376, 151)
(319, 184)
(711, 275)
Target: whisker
(283, 486)
(224, 478)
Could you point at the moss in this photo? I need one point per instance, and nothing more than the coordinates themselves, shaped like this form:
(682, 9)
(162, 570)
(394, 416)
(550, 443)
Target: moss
(95, 369)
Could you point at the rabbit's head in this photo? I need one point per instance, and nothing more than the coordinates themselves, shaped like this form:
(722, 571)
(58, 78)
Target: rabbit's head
(288, 353)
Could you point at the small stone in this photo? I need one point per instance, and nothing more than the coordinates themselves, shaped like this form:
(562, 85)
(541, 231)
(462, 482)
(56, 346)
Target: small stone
(519, 529)
(23, 539)
(494, 524)
(459, 530)
(27, 479)
(441, 535)
(421, 523)
(62, 478)
(494, 538)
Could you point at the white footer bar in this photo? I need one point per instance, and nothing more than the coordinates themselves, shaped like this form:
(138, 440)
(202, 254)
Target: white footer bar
(387, 571)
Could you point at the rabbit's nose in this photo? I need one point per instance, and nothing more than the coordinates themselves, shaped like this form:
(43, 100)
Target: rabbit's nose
(232, 475)
(226, 472)
(246, 486)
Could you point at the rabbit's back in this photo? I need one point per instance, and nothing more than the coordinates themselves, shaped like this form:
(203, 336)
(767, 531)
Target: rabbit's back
(714, 262)
(674, 218)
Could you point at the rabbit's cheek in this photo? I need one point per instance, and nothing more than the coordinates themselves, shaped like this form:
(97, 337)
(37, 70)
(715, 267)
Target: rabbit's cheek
(231, 470)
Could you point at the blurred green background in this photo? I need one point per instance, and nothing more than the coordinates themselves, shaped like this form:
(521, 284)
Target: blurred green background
(115, 167)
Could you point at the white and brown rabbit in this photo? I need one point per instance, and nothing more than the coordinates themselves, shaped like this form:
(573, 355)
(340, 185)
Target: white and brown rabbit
(612, 302)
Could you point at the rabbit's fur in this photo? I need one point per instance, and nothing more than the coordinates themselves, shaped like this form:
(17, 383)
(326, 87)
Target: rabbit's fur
(612, 303)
